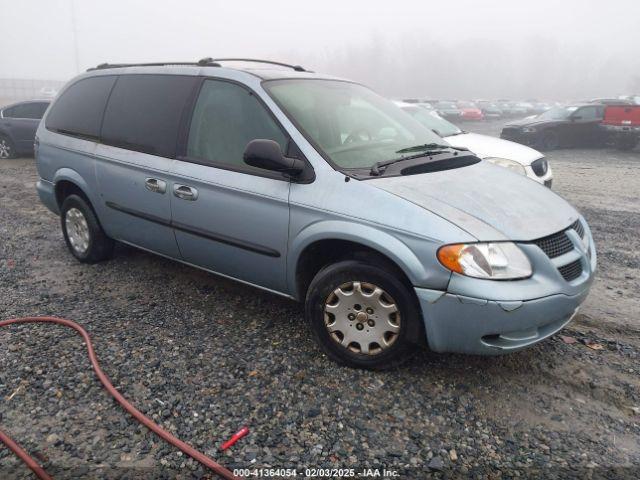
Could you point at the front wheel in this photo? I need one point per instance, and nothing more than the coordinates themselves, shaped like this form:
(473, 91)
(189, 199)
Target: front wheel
(549, 141)
(363, 315)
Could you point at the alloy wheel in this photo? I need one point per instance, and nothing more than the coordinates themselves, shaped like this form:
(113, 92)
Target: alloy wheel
(5, 149)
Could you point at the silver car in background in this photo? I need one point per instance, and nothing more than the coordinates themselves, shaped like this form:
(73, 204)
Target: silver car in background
(317, 189)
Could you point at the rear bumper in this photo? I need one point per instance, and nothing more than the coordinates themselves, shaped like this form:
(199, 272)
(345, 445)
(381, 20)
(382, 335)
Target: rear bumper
(46, 192)
(460, 324)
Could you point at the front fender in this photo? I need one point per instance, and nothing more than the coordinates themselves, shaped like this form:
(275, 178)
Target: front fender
(377, 239)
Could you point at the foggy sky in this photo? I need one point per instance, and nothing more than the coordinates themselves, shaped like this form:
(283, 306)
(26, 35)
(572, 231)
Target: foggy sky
(461, 49)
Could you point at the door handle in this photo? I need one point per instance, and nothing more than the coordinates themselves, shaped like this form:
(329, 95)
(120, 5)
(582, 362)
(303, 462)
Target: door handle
(185, 192)
(154, 185)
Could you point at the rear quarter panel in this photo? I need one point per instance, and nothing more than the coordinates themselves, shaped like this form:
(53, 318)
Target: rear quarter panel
(61, 157)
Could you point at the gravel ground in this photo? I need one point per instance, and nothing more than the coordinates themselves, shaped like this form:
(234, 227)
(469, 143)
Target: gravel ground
(204, 356)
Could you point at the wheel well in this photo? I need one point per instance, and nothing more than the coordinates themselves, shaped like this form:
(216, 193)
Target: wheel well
(325, 252)
(64, 188)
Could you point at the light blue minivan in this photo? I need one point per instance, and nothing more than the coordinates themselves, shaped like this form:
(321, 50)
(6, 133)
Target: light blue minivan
(320, 190)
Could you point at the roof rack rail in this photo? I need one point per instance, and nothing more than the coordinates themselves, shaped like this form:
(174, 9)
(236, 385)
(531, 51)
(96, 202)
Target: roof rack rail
(205, 62)
(297, 68)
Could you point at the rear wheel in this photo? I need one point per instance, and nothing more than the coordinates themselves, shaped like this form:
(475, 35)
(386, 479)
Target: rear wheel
(7, 149)
(363, 315)
(82, 232)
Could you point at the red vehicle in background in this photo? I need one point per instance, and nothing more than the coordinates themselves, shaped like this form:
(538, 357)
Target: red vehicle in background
(470, 111)
(622, 124)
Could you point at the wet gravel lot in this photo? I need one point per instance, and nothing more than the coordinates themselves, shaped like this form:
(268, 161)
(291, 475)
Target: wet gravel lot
(204, 356)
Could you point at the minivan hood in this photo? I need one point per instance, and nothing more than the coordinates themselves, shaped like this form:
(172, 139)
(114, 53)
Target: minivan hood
(487, 201)
(485, 146)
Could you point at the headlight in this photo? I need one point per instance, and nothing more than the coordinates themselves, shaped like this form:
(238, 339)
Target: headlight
(491, 261)
(510, 164)
(528, 129)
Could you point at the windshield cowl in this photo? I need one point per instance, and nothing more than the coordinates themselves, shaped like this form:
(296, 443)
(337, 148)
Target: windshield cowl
(417, 164)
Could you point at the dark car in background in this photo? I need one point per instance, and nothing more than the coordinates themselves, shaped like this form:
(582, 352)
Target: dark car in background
(18, 125)
(569, 126)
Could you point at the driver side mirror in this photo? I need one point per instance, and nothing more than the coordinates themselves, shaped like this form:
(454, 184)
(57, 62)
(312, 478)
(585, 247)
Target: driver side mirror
(267, 154)
(575, 117)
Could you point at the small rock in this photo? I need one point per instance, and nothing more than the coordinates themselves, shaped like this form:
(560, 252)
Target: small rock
(437, 464)
(453, 455)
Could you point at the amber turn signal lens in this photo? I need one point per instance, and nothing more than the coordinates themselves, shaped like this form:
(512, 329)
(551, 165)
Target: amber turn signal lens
(449, 256)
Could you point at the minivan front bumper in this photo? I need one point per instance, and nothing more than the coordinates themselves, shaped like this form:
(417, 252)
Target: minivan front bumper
(460, 324)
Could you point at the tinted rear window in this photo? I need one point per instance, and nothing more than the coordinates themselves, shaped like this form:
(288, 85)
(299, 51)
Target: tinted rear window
(79, 109)
(144, 112)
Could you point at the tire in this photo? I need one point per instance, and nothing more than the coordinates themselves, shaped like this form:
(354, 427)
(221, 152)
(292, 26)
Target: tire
(549, 141)
(7, 148)
(82, 232)
(388, 344)
(626, 144)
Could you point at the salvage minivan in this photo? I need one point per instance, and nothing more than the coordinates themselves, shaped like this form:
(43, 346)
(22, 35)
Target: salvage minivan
(318, 189)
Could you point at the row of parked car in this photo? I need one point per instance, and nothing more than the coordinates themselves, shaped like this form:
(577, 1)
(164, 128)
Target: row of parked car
(481, 109)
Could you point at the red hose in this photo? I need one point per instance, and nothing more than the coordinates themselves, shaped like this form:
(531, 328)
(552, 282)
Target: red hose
(137, 414)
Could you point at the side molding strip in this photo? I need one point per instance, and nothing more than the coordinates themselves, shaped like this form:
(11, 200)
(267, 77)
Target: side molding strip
(234, 242)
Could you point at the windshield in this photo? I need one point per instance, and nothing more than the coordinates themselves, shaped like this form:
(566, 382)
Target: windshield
(557, 113)
(433, 121)
(349, 123)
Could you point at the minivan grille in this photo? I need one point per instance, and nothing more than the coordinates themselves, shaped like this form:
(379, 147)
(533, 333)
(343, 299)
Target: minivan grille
(578, 227)
(559, 244)
(571, 271)
(540, 167)
(555, 245)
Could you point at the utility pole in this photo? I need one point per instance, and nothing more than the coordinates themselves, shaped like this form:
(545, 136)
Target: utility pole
(75, 36)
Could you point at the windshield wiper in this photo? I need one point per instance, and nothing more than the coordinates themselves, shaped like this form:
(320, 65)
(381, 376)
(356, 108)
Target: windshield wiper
(378, 168)
(425, 147)
(428, 149)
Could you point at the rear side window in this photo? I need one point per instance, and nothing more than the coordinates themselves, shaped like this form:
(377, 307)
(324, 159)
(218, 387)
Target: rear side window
(79, 109)
(33, 110)
(36, 110)
(589, 113)
(144, 113)
(226, 118)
